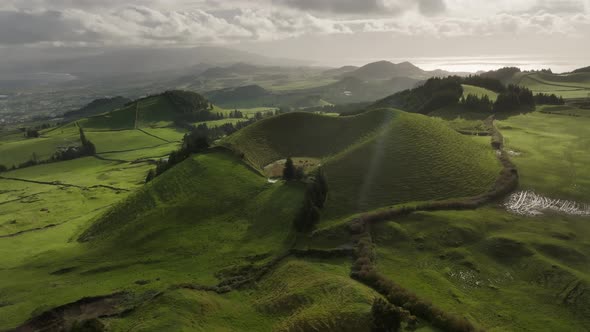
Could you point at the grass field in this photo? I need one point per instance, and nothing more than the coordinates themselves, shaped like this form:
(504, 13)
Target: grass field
(565, 85)
(16, 152)
(184, 249)
(554, 152)
(65, 194)
(477, 91)
(212, 216)
(297, 295)
(505, 272)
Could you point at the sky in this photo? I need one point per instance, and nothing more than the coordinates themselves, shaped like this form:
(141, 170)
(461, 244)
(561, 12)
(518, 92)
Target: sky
(327, 32)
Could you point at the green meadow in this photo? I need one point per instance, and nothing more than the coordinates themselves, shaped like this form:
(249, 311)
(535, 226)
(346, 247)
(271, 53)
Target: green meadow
(210, 244)
(568, 86)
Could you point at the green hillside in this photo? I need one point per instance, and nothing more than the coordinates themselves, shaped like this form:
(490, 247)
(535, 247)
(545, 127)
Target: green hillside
(477, 91)
(574, 85)
(414, 158)
(98, 106)
(201, 236)
(154, 111)
(386, 157)
(303, 134)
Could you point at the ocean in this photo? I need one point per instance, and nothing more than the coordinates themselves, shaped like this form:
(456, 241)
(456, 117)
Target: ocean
(558, 64)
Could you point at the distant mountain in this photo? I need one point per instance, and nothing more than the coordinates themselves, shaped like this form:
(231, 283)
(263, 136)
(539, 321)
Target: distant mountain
(582, 70)
(116, 62)
(98, 106)
(339, 72)
(385, 70)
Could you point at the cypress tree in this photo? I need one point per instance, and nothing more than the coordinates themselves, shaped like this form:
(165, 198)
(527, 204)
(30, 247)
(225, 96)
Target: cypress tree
(289, 170)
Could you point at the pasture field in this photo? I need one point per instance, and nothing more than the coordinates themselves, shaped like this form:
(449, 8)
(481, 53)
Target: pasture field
(502, 271)
(552, 152)
(123, 140)
(19, 151)
(477, 91)
(123, 251)
(567, 85)
(63, 191)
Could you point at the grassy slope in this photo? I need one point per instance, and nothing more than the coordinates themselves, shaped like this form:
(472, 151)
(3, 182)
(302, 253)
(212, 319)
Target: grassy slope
(297, 294)
(303, 135)
(504, 271)
(16, 151)
(23, 204)
(184, 232)
(554, 151)
(477, 91)
(415, 158)
(185, 248)
(409, 158)
(566, 85)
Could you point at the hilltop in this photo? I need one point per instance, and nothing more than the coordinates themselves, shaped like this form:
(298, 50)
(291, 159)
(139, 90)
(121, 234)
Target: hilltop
(382, 70)
(97, 106)
(383, 155)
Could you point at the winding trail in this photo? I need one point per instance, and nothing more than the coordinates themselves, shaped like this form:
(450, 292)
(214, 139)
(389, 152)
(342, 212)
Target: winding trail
(365, 270)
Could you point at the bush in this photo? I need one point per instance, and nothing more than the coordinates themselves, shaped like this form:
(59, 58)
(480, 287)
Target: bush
(386, 317)
(31, 133)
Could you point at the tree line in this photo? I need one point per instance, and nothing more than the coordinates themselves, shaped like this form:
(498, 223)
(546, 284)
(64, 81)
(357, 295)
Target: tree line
(548, 99)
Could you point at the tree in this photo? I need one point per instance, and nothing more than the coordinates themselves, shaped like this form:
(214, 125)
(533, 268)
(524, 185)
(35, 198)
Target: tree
(289, 170)
(32, 133)
(321, 187)
(308, 216)
(3, 168)
(150, 175)
(88, 148)
(386, 317)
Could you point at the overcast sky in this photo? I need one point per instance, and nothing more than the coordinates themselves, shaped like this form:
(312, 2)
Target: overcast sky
(322, 30)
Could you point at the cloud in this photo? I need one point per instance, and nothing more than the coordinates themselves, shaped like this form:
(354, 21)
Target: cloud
(190, 22)
(341, 6)
(559, 6)
(431, 7)
(49, 26)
